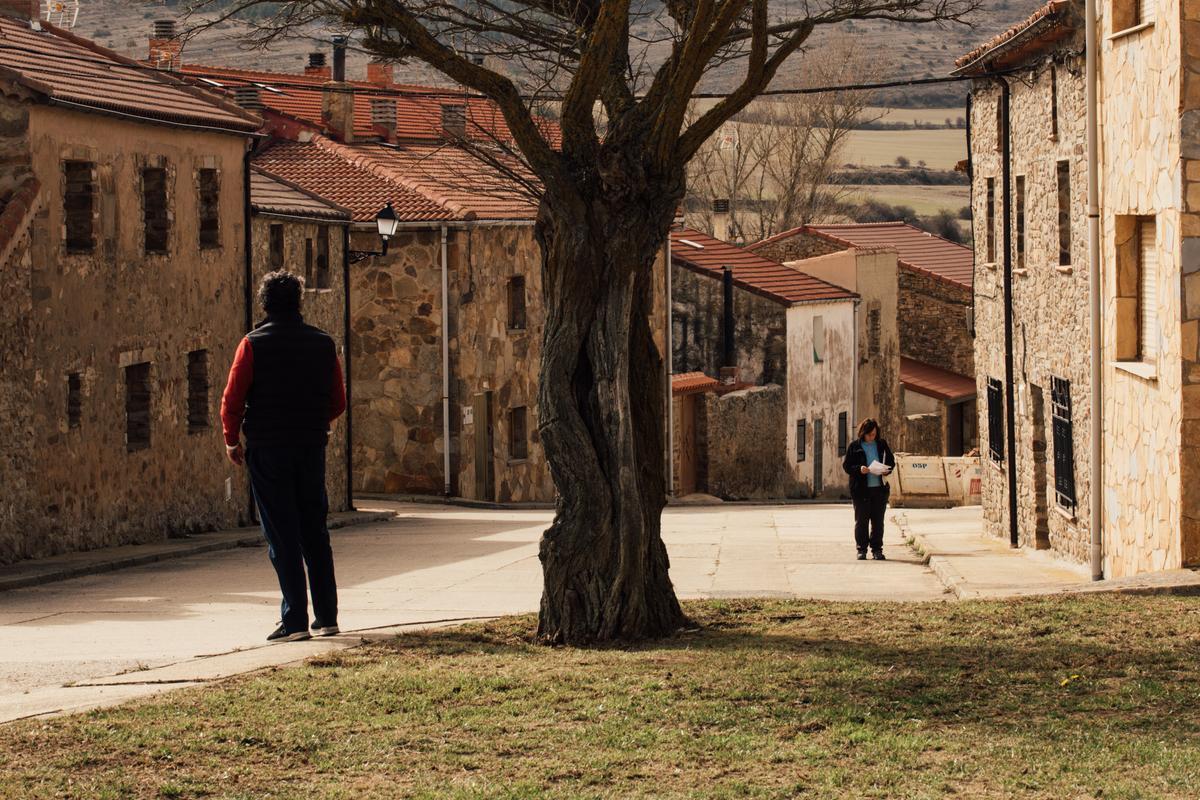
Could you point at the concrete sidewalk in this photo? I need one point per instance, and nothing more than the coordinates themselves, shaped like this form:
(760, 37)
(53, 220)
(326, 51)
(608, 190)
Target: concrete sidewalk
(975, 566)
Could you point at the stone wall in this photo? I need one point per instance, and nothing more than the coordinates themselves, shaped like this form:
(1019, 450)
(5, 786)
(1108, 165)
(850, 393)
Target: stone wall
(796, 247)
(16, 165)
(745, 443)
(760, 329)
(923, 434)
(324, 308)
(96, 313)
(934, 322)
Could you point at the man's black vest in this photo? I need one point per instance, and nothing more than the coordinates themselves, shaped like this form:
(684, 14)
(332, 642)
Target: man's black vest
(291, 395)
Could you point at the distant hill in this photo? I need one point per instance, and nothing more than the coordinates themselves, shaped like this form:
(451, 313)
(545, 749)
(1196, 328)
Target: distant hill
(905, 50)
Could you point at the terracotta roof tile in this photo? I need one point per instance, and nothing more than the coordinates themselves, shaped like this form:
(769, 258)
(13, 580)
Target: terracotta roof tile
(936, 382)
(1045, 19)
(270, 194)
(917, 249)
(755, 273)
(67, 68)
(692, 383)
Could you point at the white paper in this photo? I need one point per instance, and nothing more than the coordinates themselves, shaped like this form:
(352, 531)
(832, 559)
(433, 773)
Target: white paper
(878, 468)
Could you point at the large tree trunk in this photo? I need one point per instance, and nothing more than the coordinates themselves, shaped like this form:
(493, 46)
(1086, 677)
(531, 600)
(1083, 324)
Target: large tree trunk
(601, 401)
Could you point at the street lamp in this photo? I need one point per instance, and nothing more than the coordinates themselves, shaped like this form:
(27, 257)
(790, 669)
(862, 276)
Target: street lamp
(387, 223)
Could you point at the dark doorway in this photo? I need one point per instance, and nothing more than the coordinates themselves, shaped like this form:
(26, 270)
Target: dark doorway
(485, 467)
(1041, 509)
(954, 429)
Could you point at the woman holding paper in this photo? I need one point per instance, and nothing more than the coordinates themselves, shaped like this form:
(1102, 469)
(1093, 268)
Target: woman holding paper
(868, 459)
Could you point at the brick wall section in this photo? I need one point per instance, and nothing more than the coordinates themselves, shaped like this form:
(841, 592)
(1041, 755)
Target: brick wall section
(760, 329)
(933, 320)
(324, 308)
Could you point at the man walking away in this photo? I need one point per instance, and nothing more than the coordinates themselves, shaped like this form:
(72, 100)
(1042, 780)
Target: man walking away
(285, 389)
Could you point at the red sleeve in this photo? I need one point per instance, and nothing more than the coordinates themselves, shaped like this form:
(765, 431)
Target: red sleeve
(233, 402)
(339, 391)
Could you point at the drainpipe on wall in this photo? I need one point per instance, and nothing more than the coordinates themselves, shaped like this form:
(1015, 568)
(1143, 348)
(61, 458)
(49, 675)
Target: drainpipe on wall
(446, 359)
(1096, 427)
(349, 374)
(971, 202)
(669, 362)
(1014, 530)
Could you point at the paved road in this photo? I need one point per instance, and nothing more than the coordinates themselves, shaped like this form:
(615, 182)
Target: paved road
(197, 618)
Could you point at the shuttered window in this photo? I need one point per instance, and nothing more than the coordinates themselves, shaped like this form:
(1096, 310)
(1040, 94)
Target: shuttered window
(843, 433)
(995, 412)
(1148, 330)
(1064, 448)
(801, 434)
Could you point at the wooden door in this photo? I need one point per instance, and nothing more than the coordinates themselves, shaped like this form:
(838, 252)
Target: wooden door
(485, 469)
(687, 445)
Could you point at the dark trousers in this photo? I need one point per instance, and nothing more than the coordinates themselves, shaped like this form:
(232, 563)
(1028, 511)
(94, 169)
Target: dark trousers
(289, 488)
(869, 508)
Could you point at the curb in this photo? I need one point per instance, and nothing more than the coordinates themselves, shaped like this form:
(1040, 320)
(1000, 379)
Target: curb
(39, 572)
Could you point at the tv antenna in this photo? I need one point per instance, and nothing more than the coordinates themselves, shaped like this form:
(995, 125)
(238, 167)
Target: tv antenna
(61, 13)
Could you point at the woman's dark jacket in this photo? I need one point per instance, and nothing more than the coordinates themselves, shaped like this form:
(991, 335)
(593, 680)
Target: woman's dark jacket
(856, 458)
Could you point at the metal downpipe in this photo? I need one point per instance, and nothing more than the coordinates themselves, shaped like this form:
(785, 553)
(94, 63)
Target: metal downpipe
(1014, 528)
(446, 360)
(1096, 422)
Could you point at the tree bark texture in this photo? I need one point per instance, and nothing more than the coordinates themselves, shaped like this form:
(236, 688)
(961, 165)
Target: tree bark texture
(602, 405)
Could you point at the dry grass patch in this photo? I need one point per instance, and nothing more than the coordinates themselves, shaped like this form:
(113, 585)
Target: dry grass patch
(1063, 698)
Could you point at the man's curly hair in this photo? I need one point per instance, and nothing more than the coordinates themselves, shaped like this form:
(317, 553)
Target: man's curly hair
(280, 292)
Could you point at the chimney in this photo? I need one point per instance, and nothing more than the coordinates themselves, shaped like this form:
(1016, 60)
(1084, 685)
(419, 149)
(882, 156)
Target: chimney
(454, 120)
(381, 73)
(729, 368)
(337, 109)
(720, 218)
(21, 9)
(339, 58)
(165, 47)
(248, 97)
(316, 66)
(383, 117)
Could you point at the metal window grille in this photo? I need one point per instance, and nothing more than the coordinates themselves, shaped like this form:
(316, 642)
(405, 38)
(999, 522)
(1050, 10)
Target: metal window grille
(801, 431)
(210, 209)
(995, 412)
(843, 433)
(197, 373)
(79, 205)
(1064, 448)
(137, 407)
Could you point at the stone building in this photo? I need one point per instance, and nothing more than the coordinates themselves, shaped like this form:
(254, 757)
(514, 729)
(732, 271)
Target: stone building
(790, 329)
(1036, 295)
(931, 308)
(123, 227)
(303, 233)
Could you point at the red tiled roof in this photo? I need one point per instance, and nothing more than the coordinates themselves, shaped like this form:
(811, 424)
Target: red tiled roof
(69, 69)
(751, 271)
(934, 381)
(692, 383)
(1042, 25)
(418, 113)
(270, 194)
(318, 170)
(917, 249)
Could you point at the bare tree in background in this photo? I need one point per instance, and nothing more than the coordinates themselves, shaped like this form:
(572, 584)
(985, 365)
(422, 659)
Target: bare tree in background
(624, 73)
(774, 162)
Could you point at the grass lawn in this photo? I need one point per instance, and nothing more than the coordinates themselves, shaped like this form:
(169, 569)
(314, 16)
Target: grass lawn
(1063, 698)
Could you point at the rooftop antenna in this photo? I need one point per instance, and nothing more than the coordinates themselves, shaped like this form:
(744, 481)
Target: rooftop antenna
(61, 13)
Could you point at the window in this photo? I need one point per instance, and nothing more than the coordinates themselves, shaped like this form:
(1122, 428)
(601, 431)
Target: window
(323, 257)
(801, 430)
(454, 120)
(1148, 330)
(154, 205)
(137, 407)
(874, 326)
(1064, 448)
(1064, 213)
(518, 434)
(210, 209)
(276, 246)
(995, 412)
(843, 433)
(990, 216)
(818, 336)
(197, 374)
(1131, 13)
(1053, 102)
(74, 400)
(79, 205)
(309, 276)
(516, 305)
(1020, 221)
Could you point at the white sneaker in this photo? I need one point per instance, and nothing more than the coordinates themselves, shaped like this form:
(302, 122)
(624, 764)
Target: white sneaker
(326, 630)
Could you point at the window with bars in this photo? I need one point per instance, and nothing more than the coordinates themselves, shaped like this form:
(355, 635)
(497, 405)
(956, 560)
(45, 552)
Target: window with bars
(990, 217)
(1053, 101)
(1064, 447)
(157, 219)
(74, 400)
(516, 305)
(843, 433)
(137, 407)
(197, 374)
(309, 263)
(518, 433)
(210, 209)
(323, 257)
(801, 432)
(1064, 213)
(1020, 221)
(79, 206)
(995, 412)
(276, 244)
